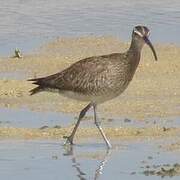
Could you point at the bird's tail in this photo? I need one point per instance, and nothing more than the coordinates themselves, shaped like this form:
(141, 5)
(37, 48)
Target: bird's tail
(35, 90)
(38, 89)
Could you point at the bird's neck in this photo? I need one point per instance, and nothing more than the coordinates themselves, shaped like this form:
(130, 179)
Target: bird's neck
(136, 46)
(134, 54)
(134, 51)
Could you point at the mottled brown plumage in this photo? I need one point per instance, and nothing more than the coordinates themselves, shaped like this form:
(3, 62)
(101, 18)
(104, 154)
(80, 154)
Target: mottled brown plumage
(99, 78)
(92, 78)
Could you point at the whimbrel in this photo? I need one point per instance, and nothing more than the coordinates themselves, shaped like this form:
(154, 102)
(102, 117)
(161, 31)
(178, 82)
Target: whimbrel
(97, 79)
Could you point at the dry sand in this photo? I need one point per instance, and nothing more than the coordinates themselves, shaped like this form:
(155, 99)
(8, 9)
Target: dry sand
(154, 91)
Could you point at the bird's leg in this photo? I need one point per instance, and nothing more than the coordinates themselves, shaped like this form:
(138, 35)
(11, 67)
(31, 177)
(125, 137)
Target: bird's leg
(81, 115)
(97, 123)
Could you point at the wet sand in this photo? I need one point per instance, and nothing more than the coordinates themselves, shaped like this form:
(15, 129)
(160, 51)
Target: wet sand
(83, 133)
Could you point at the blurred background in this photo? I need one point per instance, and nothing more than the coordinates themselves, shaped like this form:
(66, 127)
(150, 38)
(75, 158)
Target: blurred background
(28, 24)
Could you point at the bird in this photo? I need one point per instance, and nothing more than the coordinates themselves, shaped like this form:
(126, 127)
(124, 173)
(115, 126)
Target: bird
(97, 79)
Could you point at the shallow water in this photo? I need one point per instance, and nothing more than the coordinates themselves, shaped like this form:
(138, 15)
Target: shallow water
(25, 118)
(26, 24)
(51, 160)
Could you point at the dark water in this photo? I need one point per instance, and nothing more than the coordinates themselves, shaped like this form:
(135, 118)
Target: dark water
(27, 24)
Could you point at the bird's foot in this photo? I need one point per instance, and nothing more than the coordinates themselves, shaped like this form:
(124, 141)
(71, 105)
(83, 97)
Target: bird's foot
(69, 140)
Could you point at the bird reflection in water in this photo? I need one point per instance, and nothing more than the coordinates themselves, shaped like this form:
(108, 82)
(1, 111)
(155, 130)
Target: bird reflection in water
(69, 151)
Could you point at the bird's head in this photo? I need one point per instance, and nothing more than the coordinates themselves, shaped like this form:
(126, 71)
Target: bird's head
(141, 34)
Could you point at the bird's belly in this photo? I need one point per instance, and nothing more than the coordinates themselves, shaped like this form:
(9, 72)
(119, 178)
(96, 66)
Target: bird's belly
(88, 97)
(93, 97)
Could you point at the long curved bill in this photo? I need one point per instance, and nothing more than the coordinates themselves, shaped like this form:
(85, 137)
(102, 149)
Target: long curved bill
(148, 42)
